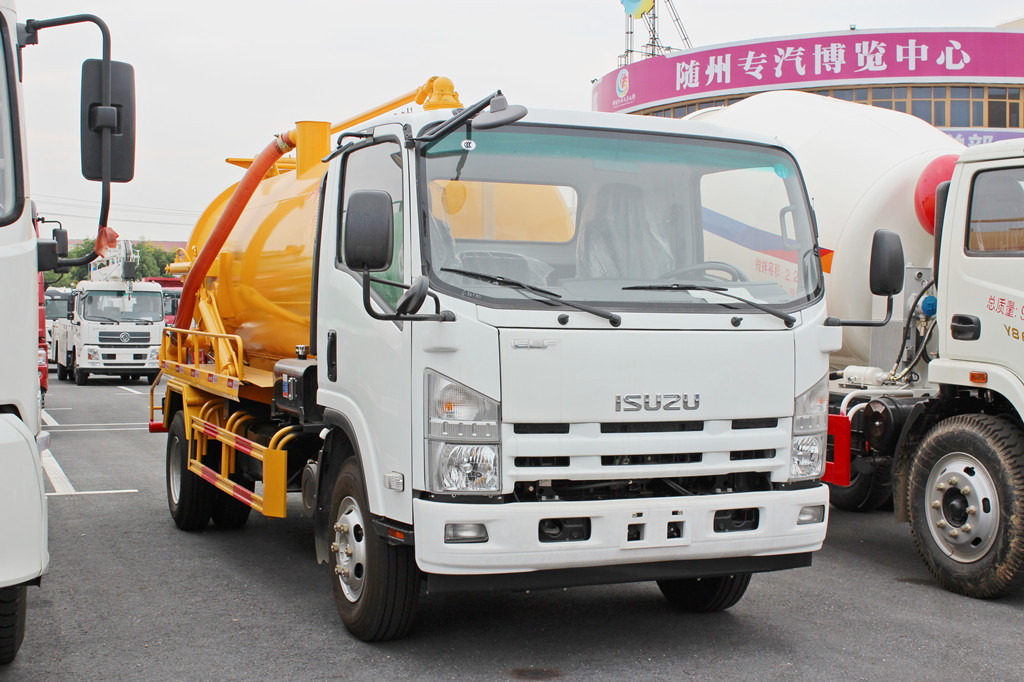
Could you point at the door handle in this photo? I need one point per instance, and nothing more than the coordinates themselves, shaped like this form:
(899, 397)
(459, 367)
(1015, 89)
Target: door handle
(332, 355)
(965, 328)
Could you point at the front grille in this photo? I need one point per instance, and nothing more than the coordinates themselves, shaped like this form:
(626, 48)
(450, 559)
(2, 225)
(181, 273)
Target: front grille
(651, 427)
(641, 488)
(114, 338)
(528, 429)
(642, 460)
(740, 455)
(761, 423)
(526, 462)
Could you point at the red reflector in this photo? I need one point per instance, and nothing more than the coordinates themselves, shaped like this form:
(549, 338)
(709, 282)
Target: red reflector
(979, 377)
(157, 427)
(396, 534)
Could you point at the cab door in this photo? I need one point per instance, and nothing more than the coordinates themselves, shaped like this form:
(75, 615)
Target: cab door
(981, 276)
(364, 363)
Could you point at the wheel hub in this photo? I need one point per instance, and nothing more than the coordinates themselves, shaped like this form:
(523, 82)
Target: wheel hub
(962, 507)
(349, 548)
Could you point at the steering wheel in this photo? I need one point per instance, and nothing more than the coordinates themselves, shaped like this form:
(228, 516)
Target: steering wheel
(736, 275)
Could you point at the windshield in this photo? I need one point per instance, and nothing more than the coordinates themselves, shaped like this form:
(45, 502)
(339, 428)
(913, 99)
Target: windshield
(56, 308)
(118, 306)
(592, 214)
(171, 299)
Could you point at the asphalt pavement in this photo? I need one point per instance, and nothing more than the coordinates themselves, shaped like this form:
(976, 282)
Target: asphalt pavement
(128, 597)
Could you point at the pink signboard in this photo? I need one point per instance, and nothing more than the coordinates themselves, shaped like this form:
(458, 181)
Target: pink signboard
(806, 61)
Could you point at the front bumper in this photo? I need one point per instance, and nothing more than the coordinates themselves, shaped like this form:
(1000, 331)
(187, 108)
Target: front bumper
(514, 545)
(121, 361)
(23, 552)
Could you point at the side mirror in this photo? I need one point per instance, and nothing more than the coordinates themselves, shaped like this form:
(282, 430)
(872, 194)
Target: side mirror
(941, 197)
(119, 118)
(886, 277)
(369, 231)
(46, 254)
(886, 263)
(60, 235)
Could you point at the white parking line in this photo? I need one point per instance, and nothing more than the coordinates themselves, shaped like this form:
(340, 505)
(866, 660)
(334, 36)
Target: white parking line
(62, 486)
(58, 479)
(102, 424)
(102, 428)
(131, 390)
(47, 419)
(92, 492)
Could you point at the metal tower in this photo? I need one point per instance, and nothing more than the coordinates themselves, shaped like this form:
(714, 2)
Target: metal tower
(654, 46)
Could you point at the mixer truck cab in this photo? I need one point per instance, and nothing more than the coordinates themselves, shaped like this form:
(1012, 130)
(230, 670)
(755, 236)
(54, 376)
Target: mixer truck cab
(507, 350)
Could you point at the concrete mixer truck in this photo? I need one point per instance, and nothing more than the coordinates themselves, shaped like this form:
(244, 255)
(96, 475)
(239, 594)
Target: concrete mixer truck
(500, 349)
(927, 394)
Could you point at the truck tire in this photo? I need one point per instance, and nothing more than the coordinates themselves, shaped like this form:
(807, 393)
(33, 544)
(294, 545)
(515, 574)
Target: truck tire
(705, 595)
(189, 497)
(152, 378)
(966, 504)
(81, 375)
(376, 584)
(62, 372)
(12, 621)
(866, 492)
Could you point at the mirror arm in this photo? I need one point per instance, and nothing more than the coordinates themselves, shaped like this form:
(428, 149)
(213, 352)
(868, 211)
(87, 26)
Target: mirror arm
(438, 315)
(836, 322)
(32, 27)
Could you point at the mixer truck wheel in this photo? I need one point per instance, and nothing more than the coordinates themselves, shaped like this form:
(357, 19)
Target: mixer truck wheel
(375, 584)
(189, 497)
(866, 492)
(12, 621)
(966, 504)
(704, 595)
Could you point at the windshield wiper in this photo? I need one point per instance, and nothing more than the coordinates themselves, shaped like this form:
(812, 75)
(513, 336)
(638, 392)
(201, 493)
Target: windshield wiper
(100, 318)
(676, 286)
(614, 319)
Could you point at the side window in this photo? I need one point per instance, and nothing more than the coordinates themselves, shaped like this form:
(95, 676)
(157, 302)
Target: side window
(379, 167)
(996, 219)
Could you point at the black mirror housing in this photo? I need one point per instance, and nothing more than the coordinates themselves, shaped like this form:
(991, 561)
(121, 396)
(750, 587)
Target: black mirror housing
(369, 231)
(46, 254)
(886, 263)
(119, 117)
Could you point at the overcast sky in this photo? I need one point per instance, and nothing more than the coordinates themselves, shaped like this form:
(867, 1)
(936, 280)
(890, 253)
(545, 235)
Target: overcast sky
(218, 78)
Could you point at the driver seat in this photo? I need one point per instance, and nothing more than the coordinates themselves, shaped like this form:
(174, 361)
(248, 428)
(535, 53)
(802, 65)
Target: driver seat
(619, 241)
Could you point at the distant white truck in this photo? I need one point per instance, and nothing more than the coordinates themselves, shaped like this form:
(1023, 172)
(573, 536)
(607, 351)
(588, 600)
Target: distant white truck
(114, 328)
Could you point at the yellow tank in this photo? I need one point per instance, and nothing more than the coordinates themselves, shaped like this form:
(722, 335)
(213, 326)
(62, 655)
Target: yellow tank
(262, 278)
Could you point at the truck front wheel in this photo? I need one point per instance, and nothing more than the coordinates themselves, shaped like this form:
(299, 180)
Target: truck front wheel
(376, 584)
(12, 621)
(189, 497)
(966, 504)
(81, 375)
(704, 595)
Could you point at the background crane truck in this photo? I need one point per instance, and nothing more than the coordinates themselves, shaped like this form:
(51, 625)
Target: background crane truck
(107, 156)
(928, 401)
(113, 325)
(608, 384)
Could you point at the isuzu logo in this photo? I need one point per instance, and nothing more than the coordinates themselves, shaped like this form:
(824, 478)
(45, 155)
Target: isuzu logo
(634, 402)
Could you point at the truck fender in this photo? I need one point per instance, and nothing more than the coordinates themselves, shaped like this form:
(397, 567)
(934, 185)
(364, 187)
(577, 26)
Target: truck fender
(923, 416)
(339, 444)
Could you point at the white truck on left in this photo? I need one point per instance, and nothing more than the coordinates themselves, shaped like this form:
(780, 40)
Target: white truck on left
(108, 155)
(113, 325)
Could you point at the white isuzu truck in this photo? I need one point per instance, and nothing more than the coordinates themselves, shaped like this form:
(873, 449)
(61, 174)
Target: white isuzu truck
(621, 375)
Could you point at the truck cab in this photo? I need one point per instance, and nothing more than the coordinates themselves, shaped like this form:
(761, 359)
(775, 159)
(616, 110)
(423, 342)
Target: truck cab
(111, 328)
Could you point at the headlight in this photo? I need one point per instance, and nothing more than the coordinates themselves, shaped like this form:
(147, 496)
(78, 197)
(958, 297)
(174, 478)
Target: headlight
(154, 353)
(810, 429)
(92, 353)
(463, 442)
(41, 356)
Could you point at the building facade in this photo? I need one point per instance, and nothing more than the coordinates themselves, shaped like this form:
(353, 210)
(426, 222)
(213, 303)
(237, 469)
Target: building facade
(968, 82)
